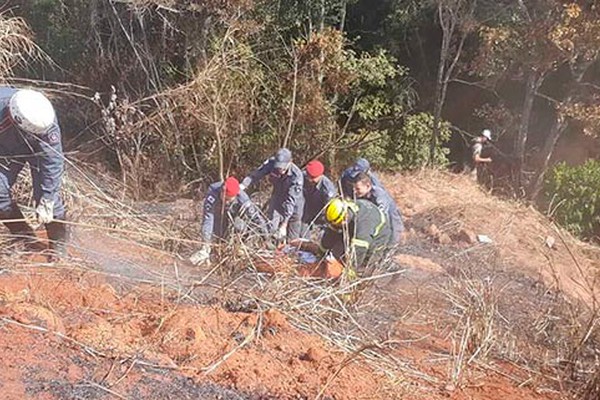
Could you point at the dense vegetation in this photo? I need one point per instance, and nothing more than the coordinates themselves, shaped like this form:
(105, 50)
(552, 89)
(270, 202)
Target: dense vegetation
(183, 91)
(575, 192)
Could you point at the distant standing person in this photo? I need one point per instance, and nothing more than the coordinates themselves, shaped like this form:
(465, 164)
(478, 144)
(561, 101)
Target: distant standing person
(477, 148)
(29, 134)
(318, 191)
(286, 204)
(361, 165)
(226, 208)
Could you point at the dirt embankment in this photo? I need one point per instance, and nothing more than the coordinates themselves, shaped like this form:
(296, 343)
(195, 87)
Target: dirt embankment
(521, 235)
(64, 333)
(132, 322)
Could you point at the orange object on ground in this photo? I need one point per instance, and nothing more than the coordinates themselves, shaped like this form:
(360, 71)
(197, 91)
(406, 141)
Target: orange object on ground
(327, 268)
(277, 264)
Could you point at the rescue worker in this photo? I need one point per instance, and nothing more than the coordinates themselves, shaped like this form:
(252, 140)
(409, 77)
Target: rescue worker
(358, 232)
(286, 204)
(350, 174)
(477, 148)
(364, 189)
(318, 191)
(226, 206)
(30, 134)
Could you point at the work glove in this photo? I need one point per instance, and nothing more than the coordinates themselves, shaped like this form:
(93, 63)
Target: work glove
(281, 233)
(45, 211)
(242, 187)
(201, 256)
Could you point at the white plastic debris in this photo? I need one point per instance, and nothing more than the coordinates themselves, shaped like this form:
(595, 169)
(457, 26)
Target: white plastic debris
(484, 239)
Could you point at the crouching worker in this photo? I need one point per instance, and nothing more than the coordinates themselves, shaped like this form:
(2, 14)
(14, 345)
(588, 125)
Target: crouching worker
(350, 174)
(227, 208)
(29, 134)
(286, 204)
(318, 191)
(358, 233)
(364, 189)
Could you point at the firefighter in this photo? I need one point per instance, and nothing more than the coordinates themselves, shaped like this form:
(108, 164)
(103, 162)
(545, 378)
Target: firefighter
(226, 206)
(30, 134)
(318, 191)
(361, 165)
(358, 232)
(364, 189)
(286, 204)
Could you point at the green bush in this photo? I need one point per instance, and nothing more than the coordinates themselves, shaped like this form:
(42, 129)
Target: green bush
(406, 148)
(376, 149)
(575, 194)
(410, 147)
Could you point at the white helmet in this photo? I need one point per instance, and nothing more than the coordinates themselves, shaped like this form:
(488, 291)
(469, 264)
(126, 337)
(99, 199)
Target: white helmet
(31, 111)
(487, 134)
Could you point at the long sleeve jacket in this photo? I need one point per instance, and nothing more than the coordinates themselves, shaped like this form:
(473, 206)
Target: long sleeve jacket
(380, 197)
(317, 196)
(287, 196)
(43, 152)
(217, 216)
(367, 233)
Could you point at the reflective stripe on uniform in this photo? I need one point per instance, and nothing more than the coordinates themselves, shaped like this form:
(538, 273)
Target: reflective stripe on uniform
(360, 243)
(352, 205)
(383, 220)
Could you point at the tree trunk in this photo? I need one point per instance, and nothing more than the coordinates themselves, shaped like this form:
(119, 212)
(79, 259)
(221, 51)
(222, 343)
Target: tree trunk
(558, 127)
(534, 80)
(343, 12)
(437, 119)
(440, 92)
(450, 20)
(322, 53)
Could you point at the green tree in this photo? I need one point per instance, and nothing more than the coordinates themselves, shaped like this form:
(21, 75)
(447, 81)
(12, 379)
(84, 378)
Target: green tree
(577, 38)
(530, 42)
(456, 20)
(575, 194)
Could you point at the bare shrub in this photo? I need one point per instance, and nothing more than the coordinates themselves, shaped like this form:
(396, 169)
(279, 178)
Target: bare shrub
(16, 44)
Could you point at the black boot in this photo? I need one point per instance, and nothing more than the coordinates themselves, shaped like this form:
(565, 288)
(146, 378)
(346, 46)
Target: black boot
(57, 237)
(21, 231)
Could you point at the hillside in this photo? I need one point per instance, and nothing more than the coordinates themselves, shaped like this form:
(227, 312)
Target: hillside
(450, 318)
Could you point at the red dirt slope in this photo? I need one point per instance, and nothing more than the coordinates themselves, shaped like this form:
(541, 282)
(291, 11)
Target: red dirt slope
(68, 329)
(519, 233)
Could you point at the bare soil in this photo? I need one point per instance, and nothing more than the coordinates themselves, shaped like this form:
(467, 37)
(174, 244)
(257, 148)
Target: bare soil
(123, 320)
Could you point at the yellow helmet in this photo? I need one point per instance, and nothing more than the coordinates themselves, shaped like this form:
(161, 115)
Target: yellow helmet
(336, 211)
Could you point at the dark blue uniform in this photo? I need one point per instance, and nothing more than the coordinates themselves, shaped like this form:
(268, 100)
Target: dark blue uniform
(218, 217)
(350, 173)
(43, 153)
(316, 198)
(287, 198)
(386, 203)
